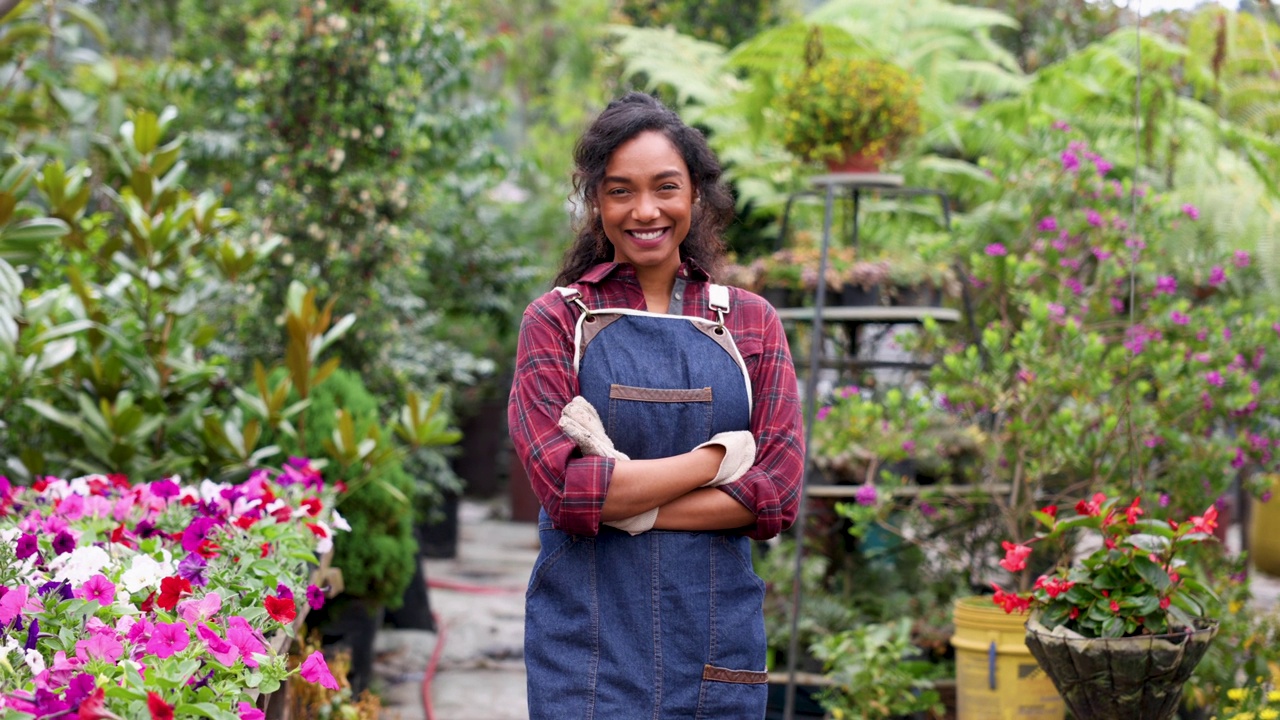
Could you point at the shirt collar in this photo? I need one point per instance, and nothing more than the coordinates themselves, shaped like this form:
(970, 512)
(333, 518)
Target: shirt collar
(689, 270)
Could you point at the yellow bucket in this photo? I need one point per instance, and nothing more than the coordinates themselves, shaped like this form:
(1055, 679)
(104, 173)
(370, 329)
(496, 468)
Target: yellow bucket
(996, 676)
(1264, 533)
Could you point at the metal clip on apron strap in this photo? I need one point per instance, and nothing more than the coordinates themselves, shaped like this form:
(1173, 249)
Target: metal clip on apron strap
(573, 296)
(718, 300)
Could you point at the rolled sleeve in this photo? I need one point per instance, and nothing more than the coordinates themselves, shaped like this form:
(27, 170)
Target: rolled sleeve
(771, 488)
(570, 487)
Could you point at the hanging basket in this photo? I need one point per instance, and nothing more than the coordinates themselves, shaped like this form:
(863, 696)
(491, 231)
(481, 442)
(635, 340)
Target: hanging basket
(1132, 678)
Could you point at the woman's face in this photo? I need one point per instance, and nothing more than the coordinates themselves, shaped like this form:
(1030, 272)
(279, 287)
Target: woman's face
(646, 202)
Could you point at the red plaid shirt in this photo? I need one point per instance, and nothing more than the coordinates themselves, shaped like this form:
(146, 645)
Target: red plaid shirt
(571, 487)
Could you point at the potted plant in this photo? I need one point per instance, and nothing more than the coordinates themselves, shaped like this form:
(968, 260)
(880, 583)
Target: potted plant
(877, 673)
(850, 113)
(861, 282)
(1120, 628)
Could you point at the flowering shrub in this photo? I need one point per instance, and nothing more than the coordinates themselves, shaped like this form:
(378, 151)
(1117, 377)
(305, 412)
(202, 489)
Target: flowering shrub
(1130, 583)
(1251, 703)
(157, 599)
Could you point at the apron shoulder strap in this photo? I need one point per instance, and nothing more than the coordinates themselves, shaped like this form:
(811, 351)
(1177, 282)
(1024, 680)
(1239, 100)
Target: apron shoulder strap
(718, 300)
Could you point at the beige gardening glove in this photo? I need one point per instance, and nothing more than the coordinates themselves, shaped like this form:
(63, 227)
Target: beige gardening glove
(580, 421)
(739, 455)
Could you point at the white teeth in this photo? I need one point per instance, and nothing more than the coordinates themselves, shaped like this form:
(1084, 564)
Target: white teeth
(654, 235)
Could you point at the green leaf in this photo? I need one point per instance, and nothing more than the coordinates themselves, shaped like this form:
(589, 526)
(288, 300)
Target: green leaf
(1152, 573)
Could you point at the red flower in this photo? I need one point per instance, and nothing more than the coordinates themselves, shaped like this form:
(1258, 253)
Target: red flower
(1015, 556)
(244, 522)
(148, 604)
(1164, 603)
(313, 506)
(1050, 510)
(94, 707)
(1115, 607)
(1132, 512)
(1075, 612)
(208, 549)
(266, 548)
(187, 500)
(1207, 522)
(282, 610)
(282, 514)
(171, 590)
(1110, 543)
(317, 530)
(160, 710)
(1092, 507)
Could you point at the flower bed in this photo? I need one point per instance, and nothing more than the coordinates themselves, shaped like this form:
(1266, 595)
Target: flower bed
(157, 600)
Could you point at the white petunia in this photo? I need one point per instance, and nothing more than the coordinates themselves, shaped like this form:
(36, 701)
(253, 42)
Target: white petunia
(326, 542)
(340, 522)
(35, 661)
(80, 564)
(210, 490)
(145, 572)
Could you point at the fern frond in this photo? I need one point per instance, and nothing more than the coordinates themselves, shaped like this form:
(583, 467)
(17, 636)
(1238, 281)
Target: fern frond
(695, 70)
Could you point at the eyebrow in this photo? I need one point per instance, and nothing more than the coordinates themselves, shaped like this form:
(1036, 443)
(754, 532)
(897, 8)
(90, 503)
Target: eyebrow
(660, 176)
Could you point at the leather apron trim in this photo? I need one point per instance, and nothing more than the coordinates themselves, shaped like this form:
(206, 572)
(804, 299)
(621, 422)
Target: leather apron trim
(659, 395)
(742, 677)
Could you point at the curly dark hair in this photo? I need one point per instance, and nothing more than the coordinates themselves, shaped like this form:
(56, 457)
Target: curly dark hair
(623, 119)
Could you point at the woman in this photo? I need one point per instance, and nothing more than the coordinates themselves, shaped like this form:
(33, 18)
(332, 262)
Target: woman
(657, 416)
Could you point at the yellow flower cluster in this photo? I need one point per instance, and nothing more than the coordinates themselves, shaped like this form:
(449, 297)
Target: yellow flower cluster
(1251, 704)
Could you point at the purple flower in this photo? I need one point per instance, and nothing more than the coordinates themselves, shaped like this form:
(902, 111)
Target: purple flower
(33, 635)
(1179, 318)
(1238, 461)
(866, 495)
(1048, 224)
(908, 446)
(1101, 254)
(27, 546)
(195, 533)
(283, 591)
(928, 510)
(1075, 285)
(1164, 500)
(1214, 378)
(1217, 276)
(62, 587)
(168, 639)
(315, 597)
(996, 250)
(1103, 166)
(1117, 304)
(1135, 244)
(63, 543)
(80, 687)
(98, 588)
(823, 412)
(1094, 218)
(192, 569)
(1191, 211)
(1166, 284)
(1070, 161)
(1242, 259)
(1061, 125)
(1057, 311)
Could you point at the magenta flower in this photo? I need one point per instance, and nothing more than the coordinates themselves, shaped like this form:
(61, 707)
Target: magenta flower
(1103, 166)
(249, 712)
(1164, 500)
(908, 446)
(1179, 318)
(1057, 311)
(221, 650)
(27, 546)
(1061, 126)
(1135, 244)
(1117, 304)
(1075, 285)
(283, 591)
(1166, 285)
(1101, 254)
(823, 412)
(1048, 224)
(1070, 161)
(12, 602)
(1214, 378)
(315, 670)
(1094, 218)
(98, 588)
(1191, 211)
(866, 495)
(1217, 276)
(996, 250)
(315, 597)
(168, 639)
(194, 611)
(240, 634)
(1238, 461)
(1242, 259)
(99, 646)
(63, 543)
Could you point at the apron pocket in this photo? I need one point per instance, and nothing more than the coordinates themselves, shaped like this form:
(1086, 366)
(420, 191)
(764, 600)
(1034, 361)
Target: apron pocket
(642, 421)
(728, 693)
(554, 546)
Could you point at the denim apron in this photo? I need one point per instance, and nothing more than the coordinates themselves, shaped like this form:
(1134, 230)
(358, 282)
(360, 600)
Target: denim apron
(664, 624)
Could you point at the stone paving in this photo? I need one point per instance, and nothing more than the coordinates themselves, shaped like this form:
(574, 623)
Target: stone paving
(478, 598)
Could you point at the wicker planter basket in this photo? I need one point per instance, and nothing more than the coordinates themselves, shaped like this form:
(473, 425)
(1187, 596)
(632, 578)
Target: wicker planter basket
(1133, 678)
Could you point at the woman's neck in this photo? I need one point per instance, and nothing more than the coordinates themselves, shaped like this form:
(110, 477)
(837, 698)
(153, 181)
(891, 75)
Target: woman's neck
(657, 289)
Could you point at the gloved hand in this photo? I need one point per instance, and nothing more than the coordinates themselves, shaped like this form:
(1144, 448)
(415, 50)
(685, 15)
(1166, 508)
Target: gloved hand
(739, 455)
(580, 421)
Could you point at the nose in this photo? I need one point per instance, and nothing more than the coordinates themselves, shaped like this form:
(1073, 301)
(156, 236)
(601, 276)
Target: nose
(646, 208)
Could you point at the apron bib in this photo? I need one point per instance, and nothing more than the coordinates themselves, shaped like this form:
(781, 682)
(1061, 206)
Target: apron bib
(664, 624)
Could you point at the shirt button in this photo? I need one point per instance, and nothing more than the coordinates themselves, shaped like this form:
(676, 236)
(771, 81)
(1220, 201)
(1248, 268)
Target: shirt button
(677, 295)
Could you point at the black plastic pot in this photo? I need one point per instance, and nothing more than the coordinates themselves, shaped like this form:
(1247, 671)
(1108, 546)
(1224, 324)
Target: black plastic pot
(439, 539)
(858, 296)
(806, 704)
(415, 613)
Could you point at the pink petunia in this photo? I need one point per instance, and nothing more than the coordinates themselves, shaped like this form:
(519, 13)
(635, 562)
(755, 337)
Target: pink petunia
(240, 634)
(168, 639)
(249, 712)
(12, 602)
(1191, 211)
(315, 670)
(99, 646)
(98, 588)
(996, 250)
(194, 611)
(1242, 259)
(221, 650)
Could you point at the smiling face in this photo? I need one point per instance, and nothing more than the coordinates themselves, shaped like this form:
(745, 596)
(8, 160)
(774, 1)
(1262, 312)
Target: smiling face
(646, 203)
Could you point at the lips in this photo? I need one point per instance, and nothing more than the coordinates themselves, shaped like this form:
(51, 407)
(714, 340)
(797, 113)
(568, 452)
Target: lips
(649, 237)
